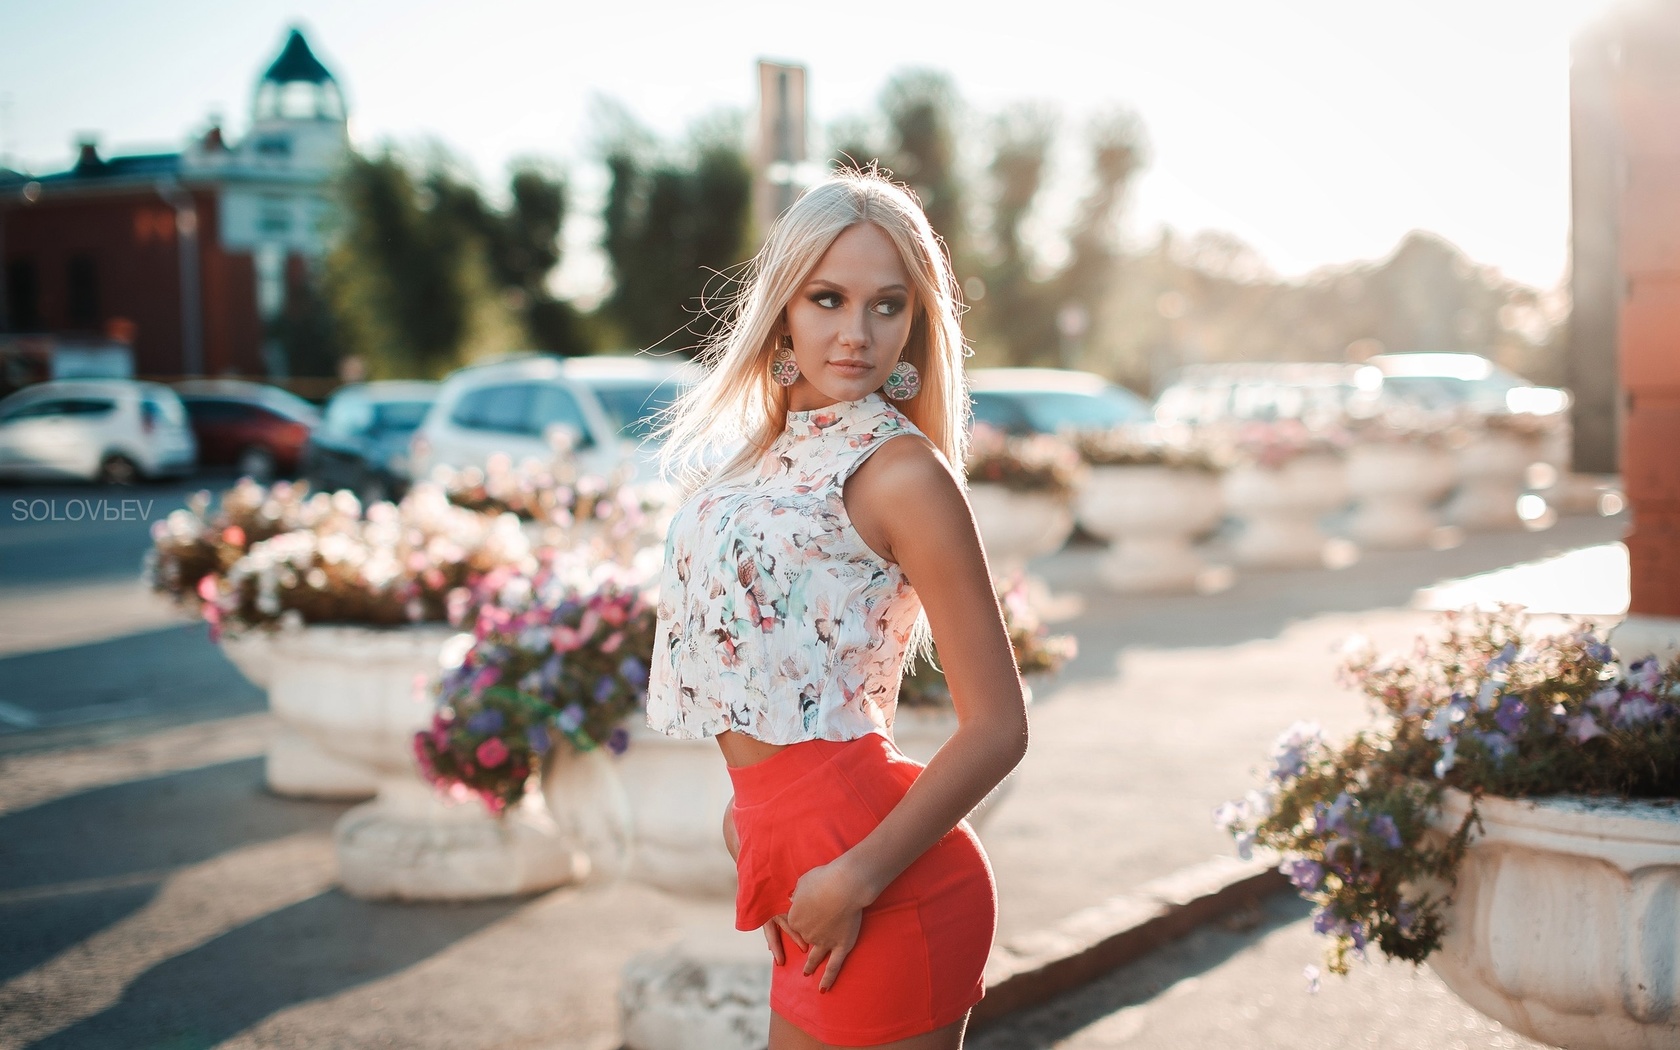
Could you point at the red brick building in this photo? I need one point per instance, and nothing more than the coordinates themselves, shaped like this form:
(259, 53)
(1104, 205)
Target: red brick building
(185, 256)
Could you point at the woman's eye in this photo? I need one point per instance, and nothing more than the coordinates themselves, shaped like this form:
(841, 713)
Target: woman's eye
(888, 307)
(827, 300)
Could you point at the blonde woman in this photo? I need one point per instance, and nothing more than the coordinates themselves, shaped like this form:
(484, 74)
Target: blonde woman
(825, 532)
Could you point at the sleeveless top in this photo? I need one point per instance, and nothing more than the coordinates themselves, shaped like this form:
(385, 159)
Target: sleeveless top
(775, 619)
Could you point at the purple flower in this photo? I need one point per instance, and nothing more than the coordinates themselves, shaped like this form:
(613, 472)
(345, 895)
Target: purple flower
(1605, 698)
(604, 689)
(537, 736)
(619, 740)
(1292, 747)
(1510, 716)
(1383, 827)
(1637, 709)
(1503, 659)
(1583, 728)
(1498, 745)
(569, 718)
(1306, 874)
(485, 722)
(632, 670)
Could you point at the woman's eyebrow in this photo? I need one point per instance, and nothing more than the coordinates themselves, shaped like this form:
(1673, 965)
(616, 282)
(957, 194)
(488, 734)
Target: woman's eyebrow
(841, 288)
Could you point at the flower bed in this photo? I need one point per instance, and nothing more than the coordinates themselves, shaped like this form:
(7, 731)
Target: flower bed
(1486, 710)
(562, 655)
(1040, 463)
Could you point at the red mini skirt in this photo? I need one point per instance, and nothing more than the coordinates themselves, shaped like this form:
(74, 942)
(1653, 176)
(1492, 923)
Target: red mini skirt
(923, 944)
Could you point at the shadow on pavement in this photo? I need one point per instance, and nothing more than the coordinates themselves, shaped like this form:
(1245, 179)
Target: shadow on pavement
(33, 931)
(315, 948)
(1261, 604)
(147, 825)
(1197, 953)
(173, 670)
(138, 829)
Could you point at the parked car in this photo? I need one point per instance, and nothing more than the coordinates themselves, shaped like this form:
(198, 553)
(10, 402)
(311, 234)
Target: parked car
(112, 430)
(1051, 400)
(605, 405)
(1312, 391)
(1454, 381)
(362, 442)
(1331, 391)
(257, 429)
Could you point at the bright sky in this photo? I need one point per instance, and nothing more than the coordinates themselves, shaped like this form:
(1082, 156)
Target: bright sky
(1320, 131)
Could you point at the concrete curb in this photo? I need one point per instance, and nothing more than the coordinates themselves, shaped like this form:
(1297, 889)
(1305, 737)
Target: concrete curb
(1037, 968)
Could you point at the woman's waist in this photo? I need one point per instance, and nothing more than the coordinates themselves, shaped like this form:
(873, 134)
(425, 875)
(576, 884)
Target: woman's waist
(779, 767)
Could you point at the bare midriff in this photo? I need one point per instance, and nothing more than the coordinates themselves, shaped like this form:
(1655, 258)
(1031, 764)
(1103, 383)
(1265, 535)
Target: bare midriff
(742, 750)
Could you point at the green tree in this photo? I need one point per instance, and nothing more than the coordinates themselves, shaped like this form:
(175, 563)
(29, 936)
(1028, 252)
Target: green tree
(1015, 312)
(922, 109)
(674, 220)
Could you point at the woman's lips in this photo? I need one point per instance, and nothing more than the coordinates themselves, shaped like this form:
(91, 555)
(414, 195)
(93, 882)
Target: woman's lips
(851, 368)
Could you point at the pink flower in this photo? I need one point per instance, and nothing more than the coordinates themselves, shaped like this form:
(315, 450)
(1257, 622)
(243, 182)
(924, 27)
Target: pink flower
(614, 640)
(233, 535)
(492, 753)
(207, 588)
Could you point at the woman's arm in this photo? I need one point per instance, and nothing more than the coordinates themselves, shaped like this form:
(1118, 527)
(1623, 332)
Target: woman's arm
(907, 504)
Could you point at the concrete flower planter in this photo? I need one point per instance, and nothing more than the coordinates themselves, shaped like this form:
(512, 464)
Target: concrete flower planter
(1280, 510)
(1491, 470)
(1395, 487)
(359, 694)
(1016, 527)
(653, 814)
(295, 766)
(1565, 924)
(1151, 516)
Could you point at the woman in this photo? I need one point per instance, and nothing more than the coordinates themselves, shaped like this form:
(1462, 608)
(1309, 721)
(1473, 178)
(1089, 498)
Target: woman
(799, 573)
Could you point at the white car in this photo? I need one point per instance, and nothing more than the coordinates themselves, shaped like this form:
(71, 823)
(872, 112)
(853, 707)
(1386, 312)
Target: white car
(605, 406)
(113, 430)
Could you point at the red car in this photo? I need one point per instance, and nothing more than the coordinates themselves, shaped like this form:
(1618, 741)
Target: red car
(257, 429)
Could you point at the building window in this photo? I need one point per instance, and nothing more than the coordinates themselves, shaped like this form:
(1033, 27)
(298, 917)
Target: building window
(275, 217)
(83, 282)
(23, 304)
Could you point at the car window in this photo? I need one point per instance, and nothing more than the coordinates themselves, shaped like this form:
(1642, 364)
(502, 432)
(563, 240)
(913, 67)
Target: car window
(63, 406)
(219, 410)
(1050, 411)
(347, 415)
(634, 404)
(555, 406)
(166, 408)
(399, 415)
(502, 408)
(995, 409)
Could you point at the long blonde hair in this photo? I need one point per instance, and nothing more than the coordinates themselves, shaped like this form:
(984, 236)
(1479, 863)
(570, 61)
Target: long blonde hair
(737, 401)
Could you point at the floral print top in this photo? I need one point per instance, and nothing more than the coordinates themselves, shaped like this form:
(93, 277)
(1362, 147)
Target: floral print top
(775, 619)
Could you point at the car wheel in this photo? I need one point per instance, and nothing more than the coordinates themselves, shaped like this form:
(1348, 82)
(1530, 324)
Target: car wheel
(257, 463)
(118, 470)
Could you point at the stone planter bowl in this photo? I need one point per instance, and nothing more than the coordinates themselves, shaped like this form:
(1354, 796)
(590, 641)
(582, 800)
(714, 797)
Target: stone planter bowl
(1565, 924)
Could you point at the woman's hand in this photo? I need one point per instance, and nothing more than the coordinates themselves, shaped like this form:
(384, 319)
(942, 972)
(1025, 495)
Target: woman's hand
(826, 914)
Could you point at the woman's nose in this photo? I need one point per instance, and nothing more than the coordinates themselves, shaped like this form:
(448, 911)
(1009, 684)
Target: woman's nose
(854, 330)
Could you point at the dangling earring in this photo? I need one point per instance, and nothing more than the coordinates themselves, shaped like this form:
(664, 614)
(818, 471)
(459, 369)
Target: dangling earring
(903, 382)
(783, 368)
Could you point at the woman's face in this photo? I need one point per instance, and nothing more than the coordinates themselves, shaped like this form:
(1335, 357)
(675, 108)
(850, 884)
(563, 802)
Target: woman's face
(850, 319)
